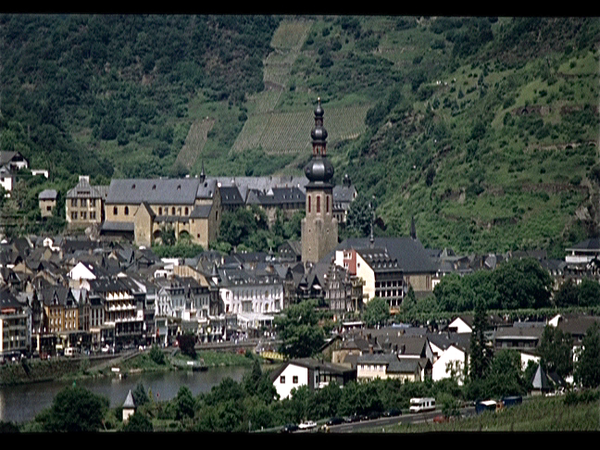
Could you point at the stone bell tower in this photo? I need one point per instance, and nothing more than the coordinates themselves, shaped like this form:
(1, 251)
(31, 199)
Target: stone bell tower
(319, 227)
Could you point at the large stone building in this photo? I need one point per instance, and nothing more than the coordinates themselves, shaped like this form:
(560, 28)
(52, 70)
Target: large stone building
(85, 204)
(388, 266)
(319, 226)
(144, 209)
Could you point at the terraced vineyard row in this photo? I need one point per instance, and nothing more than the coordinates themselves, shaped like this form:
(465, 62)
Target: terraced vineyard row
(194, 142)
(289, 132)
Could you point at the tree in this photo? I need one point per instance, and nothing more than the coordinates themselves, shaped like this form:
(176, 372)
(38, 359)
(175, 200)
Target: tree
(360, 215)
(505, 376)
(523, 283)
(556, 351)
(187, 344)
(567, 294)
(377, 312)
(157, 355)
(481, 353)
(299, 330)
(587, 369)
(589, 293)
(256, 383)
(227, 390)
(138, 423)
(75, 409)
(185, 404)
(140, 396)
(237, 226)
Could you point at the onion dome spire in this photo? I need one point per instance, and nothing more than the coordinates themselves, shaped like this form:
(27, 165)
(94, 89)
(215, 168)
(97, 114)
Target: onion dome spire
(319, 169)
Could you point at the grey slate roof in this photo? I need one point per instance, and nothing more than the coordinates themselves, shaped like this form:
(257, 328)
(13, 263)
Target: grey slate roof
(8, 300)
(169, 191)
(230, 195)
(520, 332)
(379, 259)
(592, 244)
(201, 212)
(8, 156)
(48, 194)
(129, 403)
(343, 194)
(206, 188)
(409, 252)
(118, 226)
(275, 196)
(85, 189)
(393, 363)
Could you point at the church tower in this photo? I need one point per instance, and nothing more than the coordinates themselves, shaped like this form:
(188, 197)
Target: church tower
(319, 227)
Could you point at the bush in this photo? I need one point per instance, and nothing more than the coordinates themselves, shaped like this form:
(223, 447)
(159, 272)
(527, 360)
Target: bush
(75, 409)
(157, 355)
(138, 423)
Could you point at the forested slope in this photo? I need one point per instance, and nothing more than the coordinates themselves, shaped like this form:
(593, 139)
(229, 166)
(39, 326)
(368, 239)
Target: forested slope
(483, 129)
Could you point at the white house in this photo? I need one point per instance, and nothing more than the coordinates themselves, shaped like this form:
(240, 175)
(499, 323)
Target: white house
(460, 325)
(450, 362)
(80, 276)
(526, 357)
(389, 365)
(309, 372)
(583, 252)
(244, 291)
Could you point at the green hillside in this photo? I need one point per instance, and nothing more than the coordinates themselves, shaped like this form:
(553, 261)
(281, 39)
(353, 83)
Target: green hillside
(483, 129)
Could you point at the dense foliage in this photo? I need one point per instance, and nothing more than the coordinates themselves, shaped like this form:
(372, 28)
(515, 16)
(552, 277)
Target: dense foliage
(247, 229)
(515, 284)
(74, 409)
(299, 330)
(481, 128)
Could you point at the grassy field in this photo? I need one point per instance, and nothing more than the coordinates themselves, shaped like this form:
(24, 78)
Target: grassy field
(541, 414)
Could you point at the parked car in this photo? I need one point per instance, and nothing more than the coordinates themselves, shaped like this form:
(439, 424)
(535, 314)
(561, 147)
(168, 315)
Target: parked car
(356, 418)
(335, 421)
(393, 412)
(289, 428)
(307, 425)
(374, 415)
(440, 419)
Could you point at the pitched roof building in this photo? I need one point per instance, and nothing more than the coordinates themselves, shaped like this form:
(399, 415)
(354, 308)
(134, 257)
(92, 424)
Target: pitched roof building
(143, 209)
(85, 204)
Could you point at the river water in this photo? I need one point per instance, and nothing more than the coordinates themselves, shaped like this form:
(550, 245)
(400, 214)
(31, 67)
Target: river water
(23, 402)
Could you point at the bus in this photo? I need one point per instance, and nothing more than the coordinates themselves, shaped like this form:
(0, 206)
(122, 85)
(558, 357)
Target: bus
(421, 404)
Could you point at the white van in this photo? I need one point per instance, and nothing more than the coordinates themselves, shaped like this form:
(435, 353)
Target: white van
(421, 404)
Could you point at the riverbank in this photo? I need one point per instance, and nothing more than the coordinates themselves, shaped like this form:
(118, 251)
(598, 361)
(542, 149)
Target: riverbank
(37, 370)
